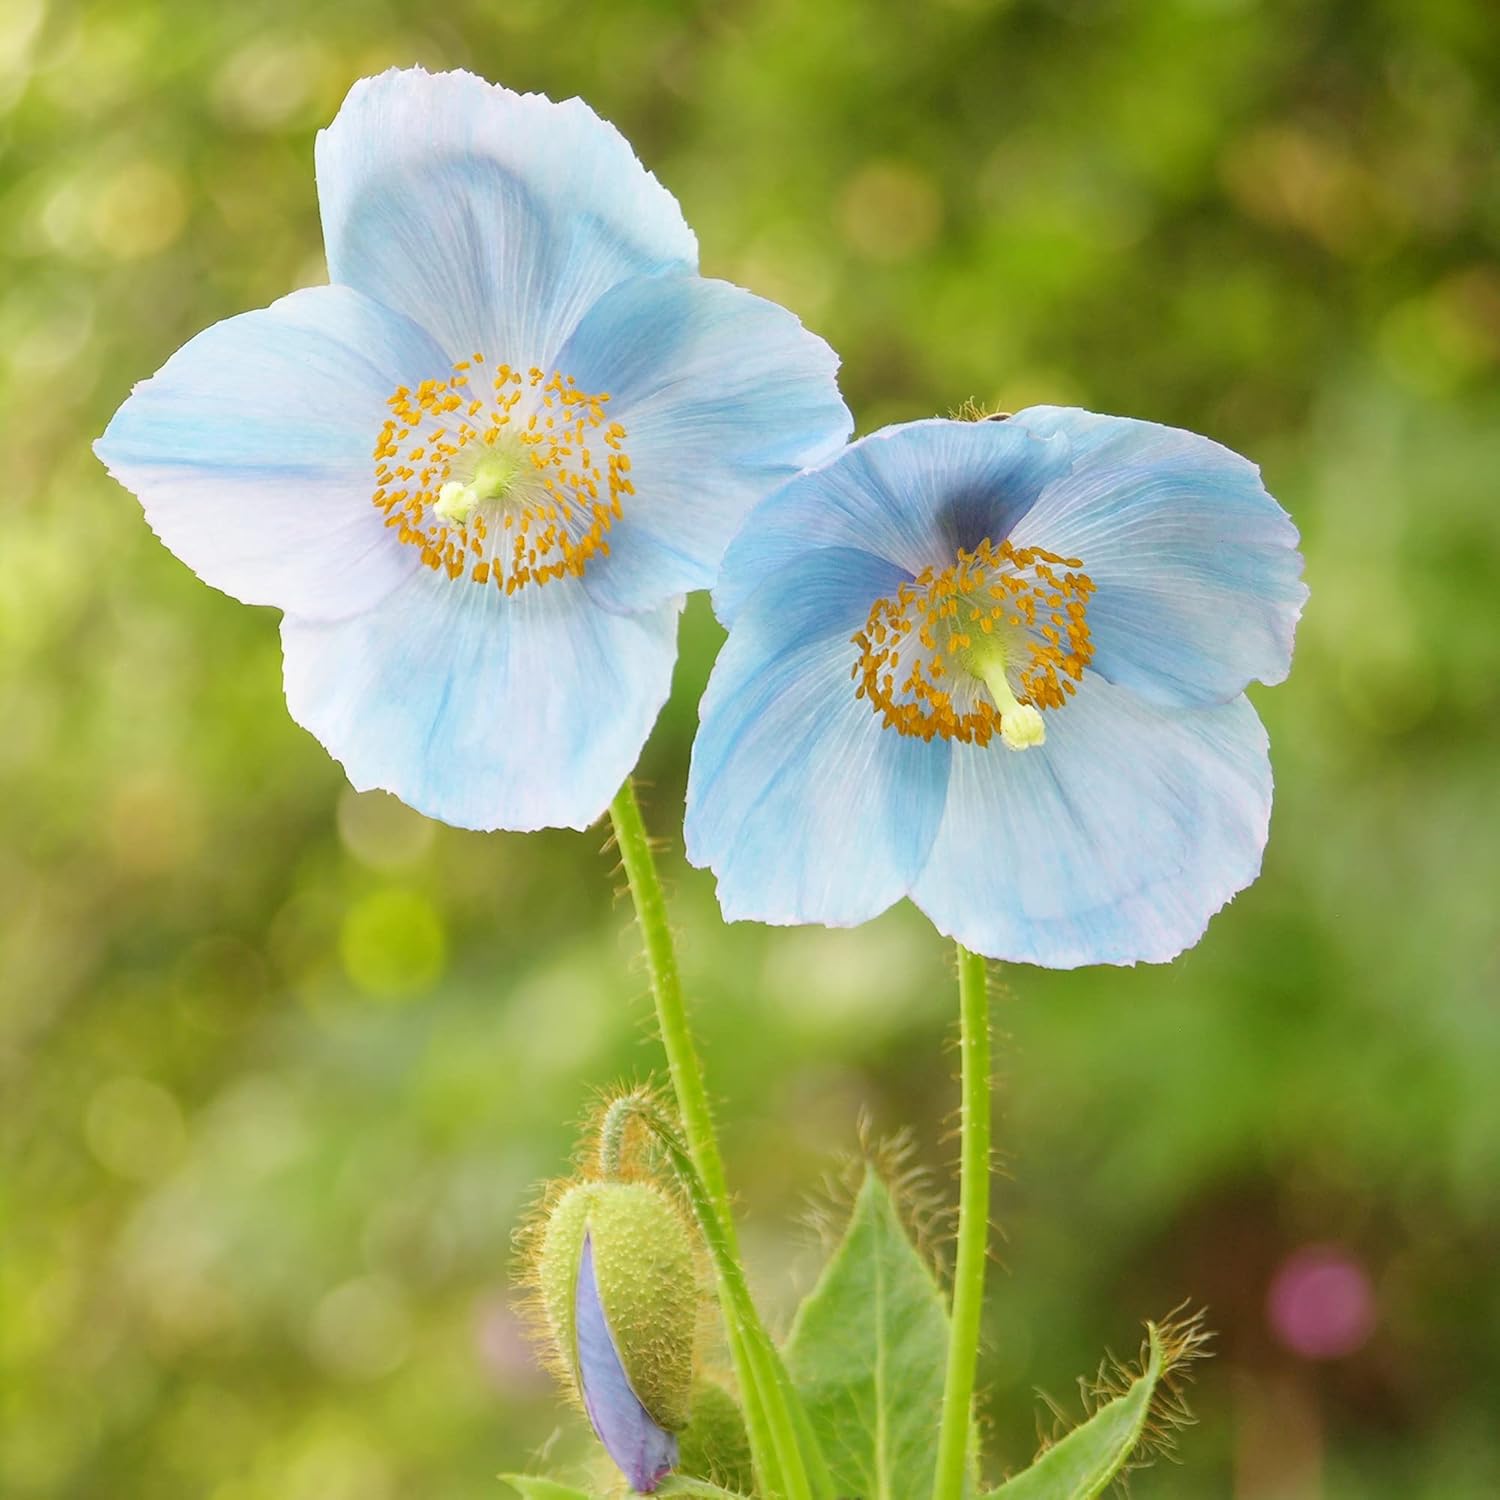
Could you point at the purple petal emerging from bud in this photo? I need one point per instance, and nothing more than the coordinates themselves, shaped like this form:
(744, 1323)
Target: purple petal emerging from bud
(644, 1452)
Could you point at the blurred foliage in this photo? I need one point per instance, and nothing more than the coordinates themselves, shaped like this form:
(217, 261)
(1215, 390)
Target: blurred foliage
(279, 1063)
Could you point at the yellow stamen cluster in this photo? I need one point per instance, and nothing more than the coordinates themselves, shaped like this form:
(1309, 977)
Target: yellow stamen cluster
(924, 654)
(517, 485)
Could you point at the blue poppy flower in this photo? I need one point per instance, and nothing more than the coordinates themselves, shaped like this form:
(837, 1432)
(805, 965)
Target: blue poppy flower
(999, 667)
(479, 471)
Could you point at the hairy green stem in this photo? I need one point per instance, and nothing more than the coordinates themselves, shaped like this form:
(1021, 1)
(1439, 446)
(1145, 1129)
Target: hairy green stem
(761, 1359)
(766, 1392)
(973, 1226)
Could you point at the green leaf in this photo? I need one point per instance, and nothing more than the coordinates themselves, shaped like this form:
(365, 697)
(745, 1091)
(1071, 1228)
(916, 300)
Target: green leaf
(1081, 1465)
(536, 1487)
(867, 1354)
(700, 1489)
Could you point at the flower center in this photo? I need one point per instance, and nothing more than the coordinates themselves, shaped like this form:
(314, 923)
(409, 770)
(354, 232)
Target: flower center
(978, 648)
(514, 486)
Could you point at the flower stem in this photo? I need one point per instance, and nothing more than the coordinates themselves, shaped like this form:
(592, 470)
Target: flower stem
(763, 1385)
(973, 1227)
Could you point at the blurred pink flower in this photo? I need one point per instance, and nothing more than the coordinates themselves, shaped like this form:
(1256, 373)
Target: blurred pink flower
(1321, 1304)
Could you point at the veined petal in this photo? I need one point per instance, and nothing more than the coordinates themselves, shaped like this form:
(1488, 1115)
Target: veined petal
(250, 450)
(913, 494)
(494, 219)
(723, 395)
(1198, 577)
(1113, 842)
(483, 710)
(643, 1452)
(803, 806)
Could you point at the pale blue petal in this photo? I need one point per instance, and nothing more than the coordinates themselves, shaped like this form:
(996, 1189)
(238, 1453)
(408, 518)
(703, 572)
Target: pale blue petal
(913, 494)
(723, 395)
(1198, 574)
(1113, 842)
(481, 710)
(492, 218)
(803, 805)
(643, 1452)
(250, 450)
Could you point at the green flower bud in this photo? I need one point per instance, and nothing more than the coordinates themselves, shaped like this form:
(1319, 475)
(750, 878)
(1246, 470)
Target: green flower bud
(647, 1287)
(714, 1445)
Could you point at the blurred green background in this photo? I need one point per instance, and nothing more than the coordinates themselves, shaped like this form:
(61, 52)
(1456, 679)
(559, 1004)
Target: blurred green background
(280, 1064)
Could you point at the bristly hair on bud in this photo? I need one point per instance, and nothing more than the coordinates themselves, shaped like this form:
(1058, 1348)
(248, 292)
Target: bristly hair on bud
(618, 1142)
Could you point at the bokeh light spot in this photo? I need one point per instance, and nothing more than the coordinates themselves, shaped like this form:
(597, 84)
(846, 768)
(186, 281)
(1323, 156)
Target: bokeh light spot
(382, 832)
(337, 1464)
(154, 825)
(890, 211)
(392, 944)
(134, 1128)
(20, 24)
(361, 1329)
(264, 84)
(139, 210)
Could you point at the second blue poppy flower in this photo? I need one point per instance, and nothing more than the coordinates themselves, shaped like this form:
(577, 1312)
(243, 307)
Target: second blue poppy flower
(999, 667)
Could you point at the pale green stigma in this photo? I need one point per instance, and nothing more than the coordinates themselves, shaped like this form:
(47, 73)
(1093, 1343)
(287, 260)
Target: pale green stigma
(456, 502)
(493, 478)
(1021, 725)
